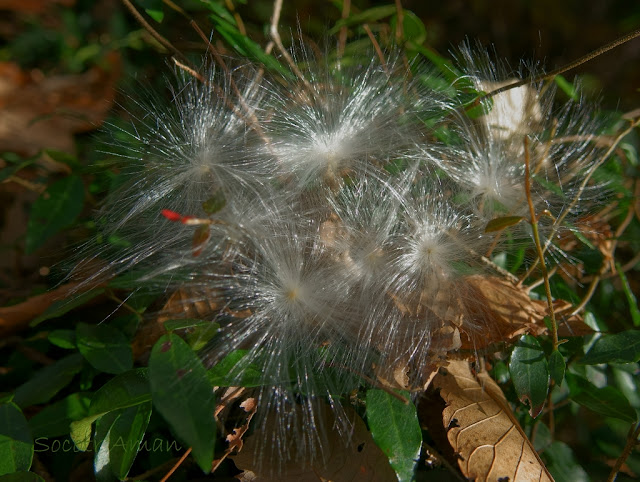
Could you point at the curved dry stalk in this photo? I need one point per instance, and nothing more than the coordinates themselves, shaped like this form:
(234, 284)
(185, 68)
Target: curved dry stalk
(236, 16)
(163, 41)
(275, 36)
(377, 48)
(576, 198)
(177, 465)
(536, 237)
(606, 262)
(565, 68)
(342, 36)
(632, 441)
(399, 22)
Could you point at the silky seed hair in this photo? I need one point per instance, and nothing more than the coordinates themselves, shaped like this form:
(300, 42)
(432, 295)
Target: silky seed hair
(328, 230)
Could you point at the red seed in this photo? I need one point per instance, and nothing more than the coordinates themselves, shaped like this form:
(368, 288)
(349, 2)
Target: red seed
(171, 215)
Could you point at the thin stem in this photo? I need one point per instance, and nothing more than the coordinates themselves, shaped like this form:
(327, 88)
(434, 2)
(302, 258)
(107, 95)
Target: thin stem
(175, 467)
(607, 261)
(342, 36)
(399, 23)
(632, 441)
(567, 67)
(275, 36)
(236, 16)
(552, 418)
(163, 41)
(579, 192)
(536, 238)
(376, 46)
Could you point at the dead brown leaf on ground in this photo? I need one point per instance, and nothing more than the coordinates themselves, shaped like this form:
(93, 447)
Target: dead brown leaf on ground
(234, 439)
(16, 318)
(39, 112)
(358, 460)
(482, 429)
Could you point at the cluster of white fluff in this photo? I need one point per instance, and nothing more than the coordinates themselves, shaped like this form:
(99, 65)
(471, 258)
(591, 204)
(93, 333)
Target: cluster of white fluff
(328, 222)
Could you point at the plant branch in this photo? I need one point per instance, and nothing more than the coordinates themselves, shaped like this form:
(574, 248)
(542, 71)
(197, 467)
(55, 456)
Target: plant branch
(163, 41)
(275, 36)
(632, 441)
(536, 238)
(565, 68)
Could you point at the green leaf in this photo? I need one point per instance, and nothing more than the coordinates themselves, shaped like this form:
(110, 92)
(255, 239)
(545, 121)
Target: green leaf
(566, 86)
(54, 419)
(631, 298)
(247, 47)
(215, 203)
(104, 347)
(54, 210)
(477, 106)
(16, 444)
(607, 401)
(443, 65)
(557, 367)
(221, 12)
(153, 8)
(530, 373)
(9, 171)
(48, 381)
(412, 27)
(395, 428)
(117, 439)
(60, 307)
(199, 336)
(198, 332)
(235, 370)
(563, 465)
(122, 391)
(619, 348)
(184, 323)
(157, 15)
(183, 395)
(63, 338)
(80, 432)
(125, 390)
(498, 224)
(64, 158)
(370, 15)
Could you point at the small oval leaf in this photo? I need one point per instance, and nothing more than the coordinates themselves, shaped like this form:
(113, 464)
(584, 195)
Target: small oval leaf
(235, 370)
(117, 440)
(619, 348)
(104, 347)
(16, 445)
(395, 428)
(55, 209)
(607, 401)
(498, 224)
(557, 367)
(48, 381)
(530, 373)
(183, 395)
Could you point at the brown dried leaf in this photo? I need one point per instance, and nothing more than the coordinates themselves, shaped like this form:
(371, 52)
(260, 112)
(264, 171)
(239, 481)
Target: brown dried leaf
(508, 312)
(360, 460)
(38, 112)
(17, 317)
(250, 406)
(597, 230)
(482, 429)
